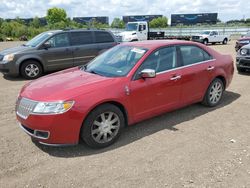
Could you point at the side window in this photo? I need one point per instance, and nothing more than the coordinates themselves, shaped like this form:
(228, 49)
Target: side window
(103, 37)
(144, 27)
(160, 60)
(193, 54)
(215, 33)
(81, 38)
(59, 40)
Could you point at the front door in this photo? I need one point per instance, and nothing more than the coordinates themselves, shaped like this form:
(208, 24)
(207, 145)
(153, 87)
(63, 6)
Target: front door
(59, 55)
(153, 96)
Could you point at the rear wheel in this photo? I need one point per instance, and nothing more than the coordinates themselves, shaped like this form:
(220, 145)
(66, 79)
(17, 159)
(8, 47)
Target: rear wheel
(214, 93)
(31, 69)
(224, 41)
(103, 126)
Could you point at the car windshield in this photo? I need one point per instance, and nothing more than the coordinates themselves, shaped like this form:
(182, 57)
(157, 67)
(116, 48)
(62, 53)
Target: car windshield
(38, 39)
(205, 33)
(131, 27)
(116, 62)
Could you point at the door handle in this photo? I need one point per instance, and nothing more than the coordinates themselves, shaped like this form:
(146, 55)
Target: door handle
(175, 78)
(210, 68)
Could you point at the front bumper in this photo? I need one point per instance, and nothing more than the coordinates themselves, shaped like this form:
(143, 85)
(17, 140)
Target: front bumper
(9, 68)
(198, 40)
(243, 62)
(53, 130)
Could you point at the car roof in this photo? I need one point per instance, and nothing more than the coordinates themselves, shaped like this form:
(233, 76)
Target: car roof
(153, 44)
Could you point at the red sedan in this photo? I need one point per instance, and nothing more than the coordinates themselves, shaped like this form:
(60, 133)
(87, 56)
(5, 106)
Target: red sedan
(127, 84)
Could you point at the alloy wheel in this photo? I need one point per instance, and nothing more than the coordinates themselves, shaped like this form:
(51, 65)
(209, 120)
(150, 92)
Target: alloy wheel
(215, 92)
(32, 70)
(105, 127)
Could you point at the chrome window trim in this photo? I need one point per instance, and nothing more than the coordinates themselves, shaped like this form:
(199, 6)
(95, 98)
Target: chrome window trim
(181, 67)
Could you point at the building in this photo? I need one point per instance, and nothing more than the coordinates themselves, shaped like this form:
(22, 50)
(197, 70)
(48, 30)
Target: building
(193, 19)
(137, 18)
(88, 20)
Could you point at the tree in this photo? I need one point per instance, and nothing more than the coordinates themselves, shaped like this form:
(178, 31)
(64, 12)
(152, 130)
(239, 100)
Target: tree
(55, 15)
(35, 22)
(117, 23)
(160, 22)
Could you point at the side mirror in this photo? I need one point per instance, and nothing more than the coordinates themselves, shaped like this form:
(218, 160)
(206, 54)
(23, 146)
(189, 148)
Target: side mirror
(46, 45)
(148, 73)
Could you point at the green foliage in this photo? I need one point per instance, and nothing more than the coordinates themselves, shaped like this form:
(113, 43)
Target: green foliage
(35, 23)
(55, 15)
(117, 23)
(161, 22)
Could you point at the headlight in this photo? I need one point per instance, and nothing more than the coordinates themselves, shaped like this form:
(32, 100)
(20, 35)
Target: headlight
(243, 51)
(52, 107)
(8, 57)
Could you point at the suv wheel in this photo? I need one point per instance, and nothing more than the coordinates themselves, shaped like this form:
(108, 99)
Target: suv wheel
(214, 93)
(103, 126)
(239, 69)
(31, 69)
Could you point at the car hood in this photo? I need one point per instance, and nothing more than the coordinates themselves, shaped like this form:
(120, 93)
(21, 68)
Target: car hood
(64, 85)
(14, 50)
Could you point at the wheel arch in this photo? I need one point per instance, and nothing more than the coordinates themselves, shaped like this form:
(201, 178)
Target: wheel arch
(31, 59)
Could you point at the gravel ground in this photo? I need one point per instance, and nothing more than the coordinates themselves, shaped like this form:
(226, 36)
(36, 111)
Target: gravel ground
(192, 147)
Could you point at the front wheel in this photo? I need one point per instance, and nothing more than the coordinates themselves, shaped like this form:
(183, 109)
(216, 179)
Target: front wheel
(103, 126)
(239, 69)
(31, 69)
(205, 41)
(214, 93)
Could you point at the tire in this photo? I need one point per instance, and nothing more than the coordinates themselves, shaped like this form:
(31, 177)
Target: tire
(98, 124)
(31, 69)
(224, 41)
(205, 41)
(240, 69)
(214, 93)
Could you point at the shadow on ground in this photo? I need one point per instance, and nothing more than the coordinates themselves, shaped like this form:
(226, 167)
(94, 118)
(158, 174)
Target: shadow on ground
(143, 129)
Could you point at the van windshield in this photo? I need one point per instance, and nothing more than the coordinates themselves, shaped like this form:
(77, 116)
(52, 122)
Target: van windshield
(38, 39)
(131, 27)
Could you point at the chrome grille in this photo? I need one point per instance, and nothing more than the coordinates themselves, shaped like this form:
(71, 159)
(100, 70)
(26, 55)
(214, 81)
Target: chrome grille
(24, 107)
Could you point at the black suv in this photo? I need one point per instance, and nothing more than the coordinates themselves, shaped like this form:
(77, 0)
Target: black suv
(55, 50)
(243, 58)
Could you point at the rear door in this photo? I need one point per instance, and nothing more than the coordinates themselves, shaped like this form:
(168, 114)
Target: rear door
(83, 47)
(104, 40)
(197, 70)
(59, 55)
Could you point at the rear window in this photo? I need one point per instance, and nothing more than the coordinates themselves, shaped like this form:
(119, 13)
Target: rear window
(103, 37)
(81, 38)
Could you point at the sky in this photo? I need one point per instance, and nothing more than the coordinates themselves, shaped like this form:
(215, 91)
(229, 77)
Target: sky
(226, 9)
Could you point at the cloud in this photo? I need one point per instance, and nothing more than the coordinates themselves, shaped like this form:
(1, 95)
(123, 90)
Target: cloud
(227, 9)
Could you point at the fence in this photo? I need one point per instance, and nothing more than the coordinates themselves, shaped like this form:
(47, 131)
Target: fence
(178, 31)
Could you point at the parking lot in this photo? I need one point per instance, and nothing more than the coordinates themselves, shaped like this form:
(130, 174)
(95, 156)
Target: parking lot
(192, 147)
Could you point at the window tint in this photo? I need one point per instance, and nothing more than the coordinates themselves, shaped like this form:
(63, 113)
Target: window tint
(81, 38)
(59, 40)
(102, 37)
(193, 54)
(161, 60)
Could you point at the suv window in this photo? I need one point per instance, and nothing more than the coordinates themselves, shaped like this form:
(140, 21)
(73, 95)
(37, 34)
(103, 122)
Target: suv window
(102, 37)
(59, 40)
(160, 60)
(193, 54)
(81, 38)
